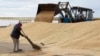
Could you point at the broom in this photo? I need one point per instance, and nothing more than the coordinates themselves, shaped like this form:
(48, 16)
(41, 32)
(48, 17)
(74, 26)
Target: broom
(32, 44)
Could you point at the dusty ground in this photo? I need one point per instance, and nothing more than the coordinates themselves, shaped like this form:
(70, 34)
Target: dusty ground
(73, 39)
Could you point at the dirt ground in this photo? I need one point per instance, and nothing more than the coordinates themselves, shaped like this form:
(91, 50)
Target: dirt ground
(70, 39)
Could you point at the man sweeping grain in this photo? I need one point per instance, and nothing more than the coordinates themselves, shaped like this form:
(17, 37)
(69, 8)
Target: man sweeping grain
(15, 34)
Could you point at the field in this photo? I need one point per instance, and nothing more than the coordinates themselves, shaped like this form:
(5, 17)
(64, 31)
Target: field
(59, 39)
(22, 19)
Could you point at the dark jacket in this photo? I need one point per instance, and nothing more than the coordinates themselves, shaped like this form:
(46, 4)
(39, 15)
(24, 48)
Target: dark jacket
(16, 32)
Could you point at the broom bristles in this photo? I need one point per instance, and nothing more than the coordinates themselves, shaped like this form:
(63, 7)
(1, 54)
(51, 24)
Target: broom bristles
(32, 44)
(36, 47)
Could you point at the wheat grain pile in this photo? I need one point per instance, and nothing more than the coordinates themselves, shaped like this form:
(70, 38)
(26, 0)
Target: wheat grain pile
(59, 39)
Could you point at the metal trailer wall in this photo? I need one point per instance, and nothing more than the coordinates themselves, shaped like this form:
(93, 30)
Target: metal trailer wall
(45, 12)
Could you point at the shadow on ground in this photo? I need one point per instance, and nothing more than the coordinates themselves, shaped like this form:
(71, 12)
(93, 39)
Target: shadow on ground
(8, 47)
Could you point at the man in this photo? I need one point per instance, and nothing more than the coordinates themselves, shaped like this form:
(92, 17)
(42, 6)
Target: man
(15, 34)
(66, 19)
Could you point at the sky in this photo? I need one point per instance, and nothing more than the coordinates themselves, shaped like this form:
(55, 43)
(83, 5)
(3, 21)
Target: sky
(28, 8)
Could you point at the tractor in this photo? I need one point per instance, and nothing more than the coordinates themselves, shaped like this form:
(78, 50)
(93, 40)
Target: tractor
(70, 14)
